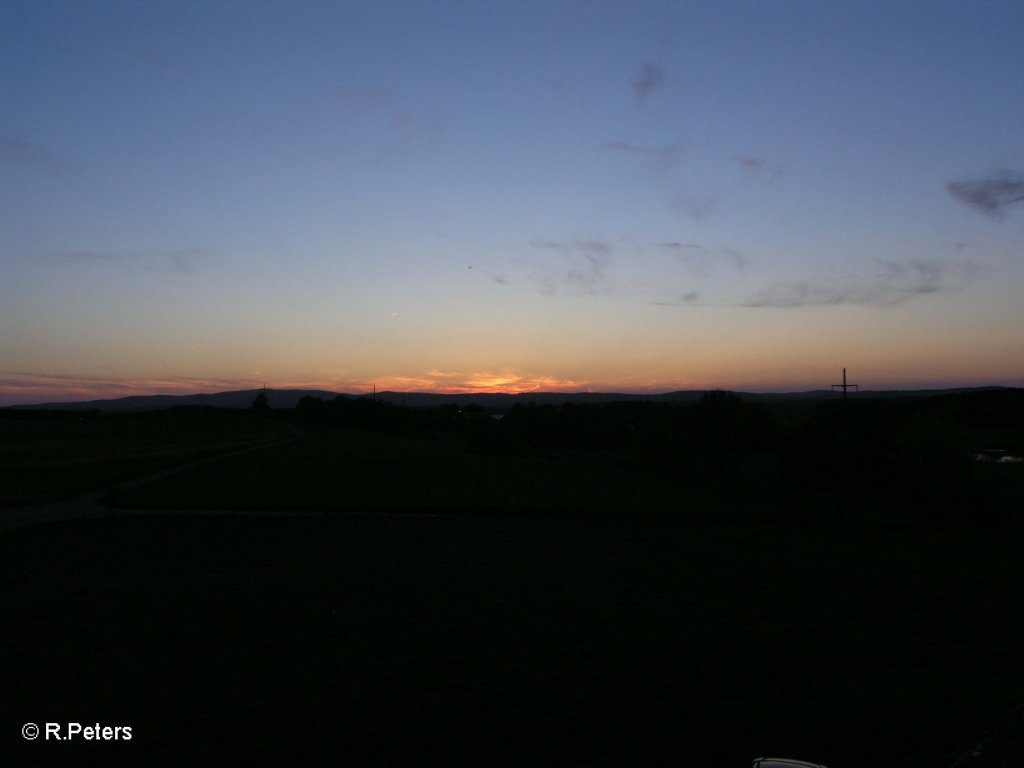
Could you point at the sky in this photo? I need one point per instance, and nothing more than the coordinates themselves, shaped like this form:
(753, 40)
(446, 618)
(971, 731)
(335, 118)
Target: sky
(509, 196)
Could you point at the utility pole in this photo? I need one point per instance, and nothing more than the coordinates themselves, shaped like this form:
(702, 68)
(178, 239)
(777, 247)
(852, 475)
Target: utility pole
(844, 386)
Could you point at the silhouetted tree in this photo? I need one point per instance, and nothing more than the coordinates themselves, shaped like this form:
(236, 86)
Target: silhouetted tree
(260, 404)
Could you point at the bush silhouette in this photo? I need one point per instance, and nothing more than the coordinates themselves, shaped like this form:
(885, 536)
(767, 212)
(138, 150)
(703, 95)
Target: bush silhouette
(260, 404)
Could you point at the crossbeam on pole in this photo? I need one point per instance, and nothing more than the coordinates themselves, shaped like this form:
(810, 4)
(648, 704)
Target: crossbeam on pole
(844, 386)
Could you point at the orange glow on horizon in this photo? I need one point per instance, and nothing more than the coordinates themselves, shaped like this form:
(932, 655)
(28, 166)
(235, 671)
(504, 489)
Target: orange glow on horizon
(34, 388)
(475, 383)
(25, 388)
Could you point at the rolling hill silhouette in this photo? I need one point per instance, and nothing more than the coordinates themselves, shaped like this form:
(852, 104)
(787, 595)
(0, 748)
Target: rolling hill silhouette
(289, 398)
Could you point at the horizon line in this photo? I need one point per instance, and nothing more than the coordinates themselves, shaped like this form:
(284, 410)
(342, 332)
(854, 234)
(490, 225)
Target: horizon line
(502, 393)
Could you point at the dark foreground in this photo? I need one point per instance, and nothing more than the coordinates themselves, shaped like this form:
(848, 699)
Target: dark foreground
(410, 640)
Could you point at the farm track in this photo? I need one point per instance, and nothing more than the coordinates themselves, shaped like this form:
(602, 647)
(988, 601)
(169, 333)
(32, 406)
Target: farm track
(87, 505)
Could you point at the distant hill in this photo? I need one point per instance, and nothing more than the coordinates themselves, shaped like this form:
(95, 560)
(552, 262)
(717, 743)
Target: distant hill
(288, 398)
(276, 398)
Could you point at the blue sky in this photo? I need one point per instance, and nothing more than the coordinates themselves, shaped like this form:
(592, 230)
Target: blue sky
(460, 196)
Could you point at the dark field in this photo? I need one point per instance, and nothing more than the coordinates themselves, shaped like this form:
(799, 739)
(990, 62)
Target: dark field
(462, 640)
(47, 456)
(571, 605)
(339, 468)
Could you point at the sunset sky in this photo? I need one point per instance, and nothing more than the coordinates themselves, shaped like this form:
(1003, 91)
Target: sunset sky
(509, 196)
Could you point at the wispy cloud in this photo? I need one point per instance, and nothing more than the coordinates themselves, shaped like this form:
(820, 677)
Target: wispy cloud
(650, 76)
(498, 277)
(430, 124)
(737, 259)
(659, 164)
(700, 259)
(694, 207)
(897, 283)
(668, 152)
(674, 245)
(991, 194)
(364, 98)
(17, 152)
(581, 265)
(405, 123)
(179, 262)
(689, 297)
(757, 166)
(659, 270)
(662, 162)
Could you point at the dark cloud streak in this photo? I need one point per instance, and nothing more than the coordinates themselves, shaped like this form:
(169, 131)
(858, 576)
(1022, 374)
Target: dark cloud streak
(583, 266)
(16, 152)
(676, 246)
(179, 262)
(992, 194)
(650, 76)
(683, 299)
(753, 163)
(756, 166)
(898, 283)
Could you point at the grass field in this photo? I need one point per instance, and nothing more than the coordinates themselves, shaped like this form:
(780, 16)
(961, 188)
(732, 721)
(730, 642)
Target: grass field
(351, 469)
(509, 640)
(579, 608)
(43, 458)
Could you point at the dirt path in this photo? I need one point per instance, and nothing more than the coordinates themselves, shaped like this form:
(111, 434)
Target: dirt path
(87, 505)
